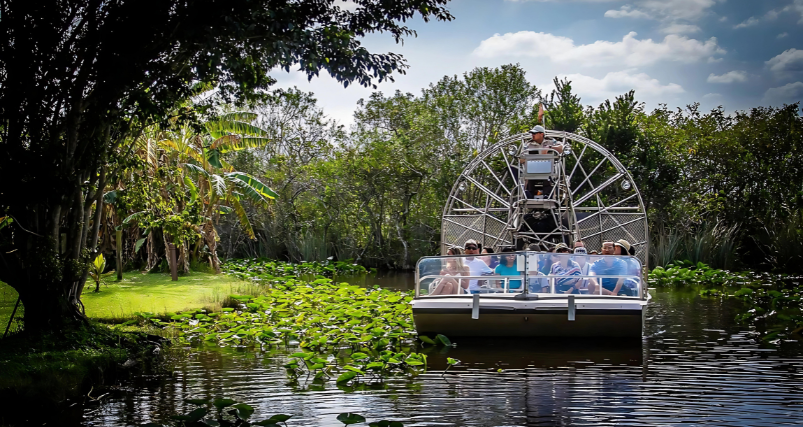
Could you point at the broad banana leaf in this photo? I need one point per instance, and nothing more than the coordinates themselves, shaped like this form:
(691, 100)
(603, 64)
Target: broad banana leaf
(134, 217)
(238, 208)
(197, 169)
(219, 128)
(193, 189)
(252, 187)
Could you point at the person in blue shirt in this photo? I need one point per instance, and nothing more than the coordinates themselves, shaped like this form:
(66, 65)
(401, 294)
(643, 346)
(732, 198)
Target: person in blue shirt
(608, 266)
(507, 267)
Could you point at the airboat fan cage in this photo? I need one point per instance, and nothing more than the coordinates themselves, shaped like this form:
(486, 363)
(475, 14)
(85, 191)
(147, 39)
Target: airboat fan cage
(511, 196)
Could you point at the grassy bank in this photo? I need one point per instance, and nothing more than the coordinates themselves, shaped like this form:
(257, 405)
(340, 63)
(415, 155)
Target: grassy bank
(156, 293)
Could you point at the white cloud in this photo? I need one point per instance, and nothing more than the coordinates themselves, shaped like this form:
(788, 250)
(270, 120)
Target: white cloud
(593, 90)
(788, 94)
(783, 35)
(668, 10)
(749, 22)
(795, 6)
(630, 51)
(712, 96)
(789, 61)
(729, 77)
(627, 12)
(680, 29)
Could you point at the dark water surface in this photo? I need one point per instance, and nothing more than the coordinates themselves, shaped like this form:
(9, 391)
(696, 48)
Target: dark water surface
(696, 366)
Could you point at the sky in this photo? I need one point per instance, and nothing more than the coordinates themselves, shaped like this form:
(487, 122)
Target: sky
(737, 54)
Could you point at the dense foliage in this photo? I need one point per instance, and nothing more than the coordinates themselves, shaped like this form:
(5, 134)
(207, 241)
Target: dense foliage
(720, 189)
(772, 302)
(80, 81)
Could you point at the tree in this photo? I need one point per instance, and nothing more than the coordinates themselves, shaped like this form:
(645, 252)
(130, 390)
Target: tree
(483, 106)
(80, 78)
(564, 111)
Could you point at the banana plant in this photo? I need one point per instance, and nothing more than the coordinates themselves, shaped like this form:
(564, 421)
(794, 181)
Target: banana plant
(96, 271)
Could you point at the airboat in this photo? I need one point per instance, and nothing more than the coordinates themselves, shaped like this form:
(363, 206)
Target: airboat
(527, 201)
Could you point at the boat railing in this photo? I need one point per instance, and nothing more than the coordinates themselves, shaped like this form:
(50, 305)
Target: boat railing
(450, 276)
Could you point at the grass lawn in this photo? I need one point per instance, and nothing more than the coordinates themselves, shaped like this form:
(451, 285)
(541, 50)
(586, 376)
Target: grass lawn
(8, 297)
(155, 293)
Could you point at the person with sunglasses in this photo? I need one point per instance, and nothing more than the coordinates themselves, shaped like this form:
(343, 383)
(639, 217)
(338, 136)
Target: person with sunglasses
(476, 266)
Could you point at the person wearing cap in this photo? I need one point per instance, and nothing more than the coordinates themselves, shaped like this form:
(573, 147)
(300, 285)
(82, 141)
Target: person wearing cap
(539, 141)
(608, 266)
(475, 265)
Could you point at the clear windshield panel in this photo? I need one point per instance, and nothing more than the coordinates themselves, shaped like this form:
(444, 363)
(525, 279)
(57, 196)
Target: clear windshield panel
(466, 275)
(530, 272)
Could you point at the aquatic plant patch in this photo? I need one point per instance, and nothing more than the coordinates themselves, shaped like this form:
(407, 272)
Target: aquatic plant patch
(684, 273)
(774, 302)
(344, 332)
(270, 271)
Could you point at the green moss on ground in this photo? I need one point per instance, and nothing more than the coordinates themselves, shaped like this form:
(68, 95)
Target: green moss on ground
(156, 293)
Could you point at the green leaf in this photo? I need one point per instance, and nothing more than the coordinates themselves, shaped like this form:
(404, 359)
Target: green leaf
(135, 217)
(222, 403)
(426, 339)
(213, 157)
(346, 377)
(279, 418)
(359, 356)
(442, 338)
(243, 411)
(350, 418)
(193, 416)
(252, 187)
(197, 401)
(353, 369)
(139, 243)
(4, 221)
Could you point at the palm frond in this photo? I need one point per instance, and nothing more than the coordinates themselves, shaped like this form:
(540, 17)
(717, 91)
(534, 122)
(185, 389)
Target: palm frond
(193, 189)
(252, 187)
(197, 170)
(218, 184)
(238, 209)
(237, 144)
(219, 128)
(245, 116)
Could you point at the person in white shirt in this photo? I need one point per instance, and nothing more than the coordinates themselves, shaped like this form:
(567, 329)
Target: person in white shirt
(475, 265)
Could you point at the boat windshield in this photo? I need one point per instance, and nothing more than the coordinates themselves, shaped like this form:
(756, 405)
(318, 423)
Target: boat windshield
(545, 274)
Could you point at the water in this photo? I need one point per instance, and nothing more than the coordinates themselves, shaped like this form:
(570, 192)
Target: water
(695, 367)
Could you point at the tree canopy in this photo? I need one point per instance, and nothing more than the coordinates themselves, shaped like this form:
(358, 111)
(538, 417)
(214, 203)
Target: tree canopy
(79, 80)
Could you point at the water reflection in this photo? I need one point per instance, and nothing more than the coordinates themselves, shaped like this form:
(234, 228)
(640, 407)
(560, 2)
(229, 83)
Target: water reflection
(694, 367)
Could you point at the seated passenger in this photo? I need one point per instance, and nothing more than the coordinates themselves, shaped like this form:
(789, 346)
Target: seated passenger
(564, 266)
(476, 266)
(454, 267)
(492, 260)
(581, 258)
(608, 266)
(623, 247)
(507, 267)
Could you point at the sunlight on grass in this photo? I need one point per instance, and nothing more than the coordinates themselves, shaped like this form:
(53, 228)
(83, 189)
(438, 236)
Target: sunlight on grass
(8, 297)
(155, 293)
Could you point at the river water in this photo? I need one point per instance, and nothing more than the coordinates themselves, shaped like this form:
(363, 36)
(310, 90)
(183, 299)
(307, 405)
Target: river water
(695, 366)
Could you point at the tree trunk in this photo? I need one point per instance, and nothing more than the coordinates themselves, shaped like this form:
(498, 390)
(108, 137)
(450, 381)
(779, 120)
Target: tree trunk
(209, 234)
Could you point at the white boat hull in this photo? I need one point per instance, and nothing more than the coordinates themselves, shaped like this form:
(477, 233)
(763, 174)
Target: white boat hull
(498, 317)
